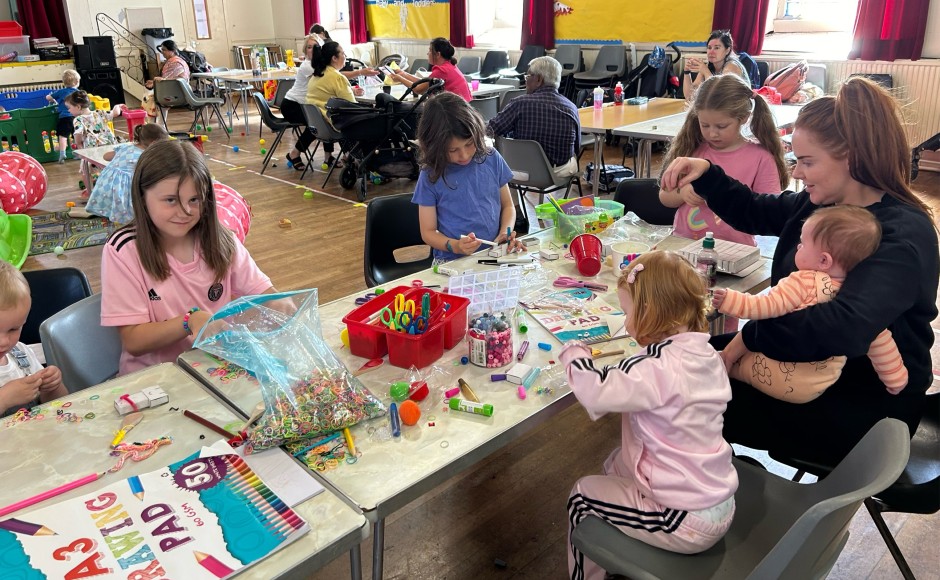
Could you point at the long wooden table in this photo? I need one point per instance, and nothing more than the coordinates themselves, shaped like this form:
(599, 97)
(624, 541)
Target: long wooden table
(667, 127)
(41, 454)
(610, 116)
(393, 472)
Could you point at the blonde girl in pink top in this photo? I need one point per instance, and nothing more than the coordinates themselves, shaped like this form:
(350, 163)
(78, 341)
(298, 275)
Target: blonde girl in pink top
(164, 274)
(712, 131)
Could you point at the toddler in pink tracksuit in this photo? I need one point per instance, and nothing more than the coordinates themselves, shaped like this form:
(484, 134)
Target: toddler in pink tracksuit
(671, 483)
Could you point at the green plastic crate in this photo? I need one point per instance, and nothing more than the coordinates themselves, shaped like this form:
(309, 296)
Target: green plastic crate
(12, 131)
(36, 121)
(605, 213)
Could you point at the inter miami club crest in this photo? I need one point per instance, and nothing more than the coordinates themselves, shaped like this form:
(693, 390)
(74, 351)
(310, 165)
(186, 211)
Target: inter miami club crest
(215, 292)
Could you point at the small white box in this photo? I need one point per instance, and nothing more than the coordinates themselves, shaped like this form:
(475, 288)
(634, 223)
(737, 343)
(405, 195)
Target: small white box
(548, 254)
(732, 257)
(518, 373)
(530, 243)
(156, 396)
(497, 252)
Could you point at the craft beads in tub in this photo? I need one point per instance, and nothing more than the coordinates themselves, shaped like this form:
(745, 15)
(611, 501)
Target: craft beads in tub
(490, 340)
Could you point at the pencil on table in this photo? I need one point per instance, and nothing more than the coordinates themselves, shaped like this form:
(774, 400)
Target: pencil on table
(26, 528)
(137, 488)
(212, 564)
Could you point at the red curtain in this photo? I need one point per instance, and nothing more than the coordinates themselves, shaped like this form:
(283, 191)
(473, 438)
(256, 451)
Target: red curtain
(538, 23)
(747, 21)
(311, 14)
(44, 18)
(358, 32)
(889, 29)
(458, 24)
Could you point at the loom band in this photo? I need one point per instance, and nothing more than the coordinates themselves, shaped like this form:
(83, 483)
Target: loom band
(127, 397)
(332, 463)
(67, 404)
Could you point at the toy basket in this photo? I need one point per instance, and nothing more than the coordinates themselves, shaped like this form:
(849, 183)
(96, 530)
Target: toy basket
(590, 220)
(16, 237)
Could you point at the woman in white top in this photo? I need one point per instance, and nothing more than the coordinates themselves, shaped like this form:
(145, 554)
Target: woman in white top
(292, 105)
(721, 60)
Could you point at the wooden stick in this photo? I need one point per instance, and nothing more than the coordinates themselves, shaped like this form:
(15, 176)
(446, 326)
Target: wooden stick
(208, 424)
(608, 353)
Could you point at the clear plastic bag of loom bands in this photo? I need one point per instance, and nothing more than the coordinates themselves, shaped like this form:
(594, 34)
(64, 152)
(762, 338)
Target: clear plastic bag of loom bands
(631, 228)
(306, 390)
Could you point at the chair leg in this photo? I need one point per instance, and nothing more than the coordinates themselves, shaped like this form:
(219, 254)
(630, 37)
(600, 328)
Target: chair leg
(163, 116)
(222, 125)
(892, 545)
(270, 154)
(332, 167)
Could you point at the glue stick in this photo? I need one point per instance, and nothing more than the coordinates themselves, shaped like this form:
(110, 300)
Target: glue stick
(445, 271)
(484, 409)
(520, 321)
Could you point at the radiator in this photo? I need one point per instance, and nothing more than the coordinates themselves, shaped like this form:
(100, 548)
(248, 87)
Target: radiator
(916, 85)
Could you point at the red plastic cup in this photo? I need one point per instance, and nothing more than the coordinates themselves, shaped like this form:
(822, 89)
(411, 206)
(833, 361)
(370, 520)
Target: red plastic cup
(587, 250)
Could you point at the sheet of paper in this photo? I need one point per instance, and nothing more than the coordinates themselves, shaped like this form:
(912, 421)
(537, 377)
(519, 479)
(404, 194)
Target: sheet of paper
(287, 478)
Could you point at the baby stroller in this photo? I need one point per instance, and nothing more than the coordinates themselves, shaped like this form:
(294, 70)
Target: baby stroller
(379, 140)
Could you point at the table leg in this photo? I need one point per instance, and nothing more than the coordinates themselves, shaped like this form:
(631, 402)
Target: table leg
(598, 153)
(86, 173)
(245, 110)
(646, 157)
(378, 549)
(355, 563)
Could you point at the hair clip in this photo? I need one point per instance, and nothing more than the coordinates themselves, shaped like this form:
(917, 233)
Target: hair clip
(631, 277)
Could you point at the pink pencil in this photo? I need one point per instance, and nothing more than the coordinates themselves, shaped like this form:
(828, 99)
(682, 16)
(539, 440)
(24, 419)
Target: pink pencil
(47, 494)
(212, 564)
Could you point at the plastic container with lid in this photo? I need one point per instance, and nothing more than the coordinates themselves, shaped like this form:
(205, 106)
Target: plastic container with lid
(589, 220)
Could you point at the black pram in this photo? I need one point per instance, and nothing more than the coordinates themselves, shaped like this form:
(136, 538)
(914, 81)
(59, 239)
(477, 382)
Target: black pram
(379, 139)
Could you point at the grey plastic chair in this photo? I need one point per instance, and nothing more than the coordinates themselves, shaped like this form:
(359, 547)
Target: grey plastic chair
(508, 96)
(781, 529)
(531, 169)
(487, 106)
(177, 94)
(74, 340)
(569, 55)
(469, 65)
(326, 133)
(611, 62)
(419, 63)
(528, 53)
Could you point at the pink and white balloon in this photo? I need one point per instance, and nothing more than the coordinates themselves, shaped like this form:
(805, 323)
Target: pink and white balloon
(23, 182)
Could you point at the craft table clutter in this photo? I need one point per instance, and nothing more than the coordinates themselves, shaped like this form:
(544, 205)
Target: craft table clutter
(397, 463)
(71, 437)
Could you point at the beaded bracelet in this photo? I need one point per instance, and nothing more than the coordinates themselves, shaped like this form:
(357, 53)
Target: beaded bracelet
(186, 319)
(448, 246)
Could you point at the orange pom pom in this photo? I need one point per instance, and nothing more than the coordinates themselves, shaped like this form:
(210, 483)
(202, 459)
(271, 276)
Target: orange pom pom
(410, 413)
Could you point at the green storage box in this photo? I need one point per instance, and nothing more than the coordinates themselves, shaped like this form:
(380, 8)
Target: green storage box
(593, 220)
(36, 121)
(12, 131)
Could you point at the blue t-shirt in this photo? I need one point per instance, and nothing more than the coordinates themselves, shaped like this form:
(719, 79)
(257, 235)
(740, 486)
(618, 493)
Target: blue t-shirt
(467, 199)
(59, 97)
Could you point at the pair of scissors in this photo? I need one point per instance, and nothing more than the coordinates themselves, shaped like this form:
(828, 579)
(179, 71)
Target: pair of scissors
(569, 282)
(412, 324)
(426, 305)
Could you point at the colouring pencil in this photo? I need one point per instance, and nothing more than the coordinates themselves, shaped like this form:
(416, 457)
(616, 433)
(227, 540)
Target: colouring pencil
(136, 487)
(208, 424)
(212, 564)
(26, 528)
(49, 493)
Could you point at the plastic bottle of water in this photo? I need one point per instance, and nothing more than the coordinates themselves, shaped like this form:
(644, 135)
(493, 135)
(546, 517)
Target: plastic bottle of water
(707, 260)
(598, 97)
(618, 94)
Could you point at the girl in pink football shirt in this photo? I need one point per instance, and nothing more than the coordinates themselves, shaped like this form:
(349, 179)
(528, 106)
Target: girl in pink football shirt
(712, 131)
(165, 273)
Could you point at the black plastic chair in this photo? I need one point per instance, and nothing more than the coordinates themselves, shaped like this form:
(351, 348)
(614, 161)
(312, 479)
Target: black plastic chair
(279, 125)
(391, 224)
(528, 53)
(641, 196)
(917, 490)
(493, 62)
(52, 291)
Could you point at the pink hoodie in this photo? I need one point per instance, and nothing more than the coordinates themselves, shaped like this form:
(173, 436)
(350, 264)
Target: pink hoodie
(672, 397)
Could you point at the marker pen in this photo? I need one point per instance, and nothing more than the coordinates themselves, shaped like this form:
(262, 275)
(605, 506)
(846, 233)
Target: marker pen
(393, 418)
(471, 407)
(523, 348)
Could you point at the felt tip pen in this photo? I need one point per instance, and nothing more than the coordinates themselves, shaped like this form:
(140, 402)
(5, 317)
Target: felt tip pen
(484, 409)
(523, 348)
(511, 260)
(467, 391)
(393, 419)
(531, 377)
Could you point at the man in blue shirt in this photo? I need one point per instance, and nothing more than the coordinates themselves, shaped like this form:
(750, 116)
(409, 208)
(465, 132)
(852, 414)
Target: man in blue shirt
(543, 115)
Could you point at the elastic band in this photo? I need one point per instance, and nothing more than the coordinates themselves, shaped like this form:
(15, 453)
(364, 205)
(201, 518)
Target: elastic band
(127, 397)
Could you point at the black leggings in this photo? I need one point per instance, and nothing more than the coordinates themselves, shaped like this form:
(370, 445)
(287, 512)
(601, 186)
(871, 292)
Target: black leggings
(294, 113)
(824, 429)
